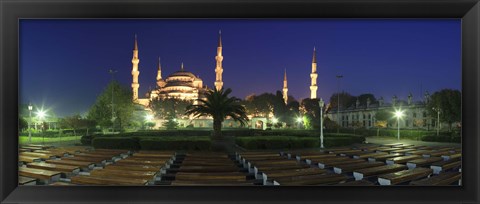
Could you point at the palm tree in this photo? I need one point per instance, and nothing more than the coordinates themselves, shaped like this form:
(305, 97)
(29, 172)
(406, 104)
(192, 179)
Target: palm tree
(219, 106)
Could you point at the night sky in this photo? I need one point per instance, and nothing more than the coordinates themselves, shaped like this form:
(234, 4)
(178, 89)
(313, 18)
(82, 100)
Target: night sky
(64, 63)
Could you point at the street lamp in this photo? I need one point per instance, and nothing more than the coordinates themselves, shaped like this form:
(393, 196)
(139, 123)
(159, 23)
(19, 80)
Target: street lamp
(438, 120)
(321, 103)
(338, 102)
(30, 107)
(299, 121)
(112, 72)
(41, 114)
(398, 115)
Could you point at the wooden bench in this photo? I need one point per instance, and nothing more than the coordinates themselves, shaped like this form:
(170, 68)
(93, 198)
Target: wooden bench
(258, 169)
(112, 173)
(402, 159)
(27, 181)
(56, 153)
(422, 162)
(357, 183)
(392, 144)
(32, 148)
(142, 168)
(94, 180)
(447, 178)
(44, 176)
(224, 176)
(347, 152)
(438, 153)
(274, 174)
(132, 161)
(207, 169)
(404, 176)
(375, 171)
(67, 170)
(80, 164)
(455, 157)
(203, 163)
(403, 146)
(60, 183)
(27, 159)
(387, 150)
(211, 183)
(323, 179)
(347, 168)
(418, 152)
(403, 151)
(38, 155)
(438, 167)
(24, 150)
(367, 155)
(383, 157)
(97, 161)
(332, 162)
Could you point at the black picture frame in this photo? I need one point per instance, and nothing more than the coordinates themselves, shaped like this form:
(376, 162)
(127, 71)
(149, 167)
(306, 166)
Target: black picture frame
(11, 11)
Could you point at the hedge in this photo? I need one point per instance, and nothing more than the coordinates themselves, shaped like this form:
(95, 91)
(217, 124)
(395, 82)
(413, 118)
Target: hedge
(171, 143)
(434, 138)
(292, 142)
(115, 143)
(164, 143)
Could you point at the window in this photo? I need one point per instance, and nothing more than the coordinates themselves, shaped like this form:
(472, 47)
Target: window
(414, 115)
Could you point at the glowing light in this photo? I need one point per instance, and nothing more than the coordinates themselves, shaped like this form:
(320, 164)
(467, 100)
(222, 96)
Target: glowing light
(398, 113)
(274, 120)
(41, 114)
(149, 117)
(299, 119)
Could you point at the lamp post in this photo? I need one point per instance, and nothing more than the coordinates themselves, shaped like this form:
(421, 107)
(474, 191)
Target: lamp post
(30, 107)
(112, 72)
(338, 102)
(438, 120)
(321, 103)
(398, 115)
(41, 116)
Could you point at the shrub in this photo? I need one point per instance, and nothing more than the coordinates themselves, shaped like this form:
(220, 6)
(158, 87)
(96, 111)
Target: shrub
(115, 143)
(440, 138)
(86, 140)
(291, 142)
(176, 143)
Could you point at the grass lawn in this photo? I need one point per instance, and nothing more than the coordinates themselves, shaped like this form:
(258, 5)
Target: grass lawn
(36, 140)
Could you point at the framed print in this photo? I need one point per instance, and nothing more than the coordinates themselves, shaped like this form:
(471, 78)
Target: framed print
(223, 101)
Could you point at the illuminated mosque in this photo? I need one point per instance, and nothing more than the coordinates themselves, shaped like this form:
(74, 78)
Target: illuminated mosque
(185, 85)
(181, 84)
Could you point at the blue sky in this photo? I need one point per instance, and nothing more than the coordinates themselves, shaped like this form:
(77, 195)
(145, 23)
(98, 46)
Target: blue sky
(64, 63)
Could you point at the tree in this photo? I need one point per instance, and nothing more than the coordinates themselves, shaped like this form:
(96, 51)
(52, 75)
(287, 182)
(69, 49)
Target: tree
(363, 98)
(171, 122)
(346, 100)
(381, 120)
(162, 107)
(219, 105)
(76, 122)
(311, 111)
(101, 110)
(22, 124)
(449, 102)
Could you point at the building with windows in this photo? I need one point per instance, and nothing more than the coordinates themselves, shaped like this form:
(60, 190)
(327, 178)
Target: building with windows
(415, 115)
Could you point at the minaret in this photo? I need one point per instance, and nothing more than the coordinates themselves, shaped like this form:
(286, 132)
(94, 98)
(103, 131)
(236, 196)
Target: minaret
(285, 88)
(313, 76)
(135, 71)
(160, 81)
(159, 70)
(219, 68)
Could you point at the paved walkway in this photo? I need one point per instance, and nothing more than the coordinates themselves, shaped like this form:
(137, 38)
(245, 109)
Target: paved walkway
(390, 140)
